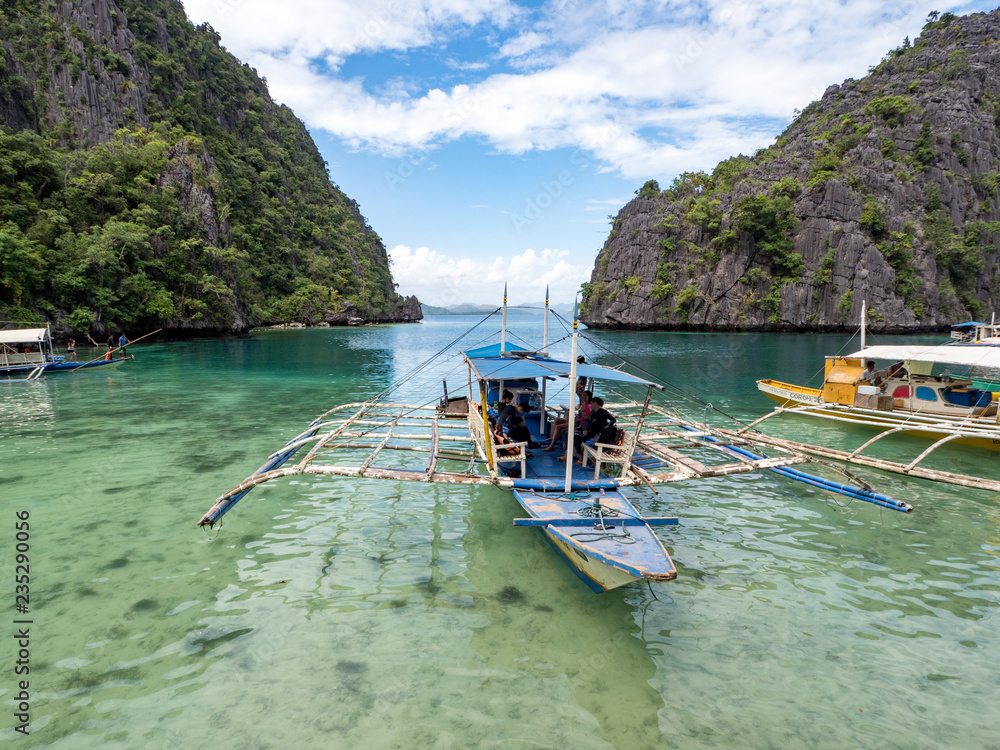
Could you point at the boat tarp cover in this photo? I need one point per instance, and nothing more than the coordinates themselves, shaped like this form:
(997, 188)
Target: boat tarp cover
(497, 368)
(493, 350)
(971, 356)
(23, 336)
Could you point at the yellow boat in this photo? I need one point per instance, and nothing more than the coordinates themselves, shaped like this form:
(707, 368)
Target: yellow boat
(907, 397)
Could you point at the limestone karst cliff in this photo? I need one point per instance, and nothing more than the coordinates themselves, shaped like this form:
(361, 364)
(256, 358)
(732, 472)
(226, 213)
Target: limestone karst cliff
(885, 190)
(148, 179)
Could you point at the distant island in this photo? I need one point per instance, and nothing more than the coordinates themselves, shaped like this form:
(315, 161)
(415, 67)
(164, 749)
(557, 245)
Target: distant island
(467, 308)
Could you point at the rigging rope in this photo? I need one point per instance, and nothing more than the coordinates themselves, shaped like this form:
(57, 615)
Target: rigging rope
(427, 362)
(602, 530)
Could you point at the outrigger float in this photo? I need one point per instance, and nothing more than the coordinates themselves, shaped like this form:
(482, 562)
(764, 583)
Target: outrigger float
(583, 511)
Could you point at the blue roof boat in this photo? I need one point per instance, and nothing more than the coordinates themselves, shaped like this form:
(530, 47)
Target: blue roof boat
(585, 511)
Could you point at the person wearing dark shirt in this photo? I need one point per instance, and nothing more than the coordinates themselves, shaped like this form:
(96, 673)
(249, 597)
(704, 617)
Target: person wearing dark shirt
(519, 431)
(897, 371)
(505, 417)
(601, 421)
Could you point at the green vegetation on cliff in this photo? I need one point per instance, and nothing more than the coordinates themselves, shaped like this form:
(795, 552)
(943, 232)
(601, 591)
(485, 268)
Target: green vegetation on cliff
(180, 196)
(885, 191)
(91, 231)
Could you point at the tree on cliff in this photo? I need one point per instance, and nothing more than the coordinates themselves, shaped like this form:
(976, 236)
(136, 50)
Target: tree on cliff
(149, 179)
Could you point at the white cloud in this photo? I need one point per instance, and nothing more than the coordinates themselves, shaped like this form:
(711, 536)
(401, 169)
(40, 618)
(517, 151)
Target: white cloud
(333, 29)
(522, 45)
(441, 280)
(648, 88)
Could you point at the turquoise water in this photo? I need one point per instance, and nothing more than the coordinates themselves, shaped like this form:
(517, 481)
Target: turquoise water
(343, 613)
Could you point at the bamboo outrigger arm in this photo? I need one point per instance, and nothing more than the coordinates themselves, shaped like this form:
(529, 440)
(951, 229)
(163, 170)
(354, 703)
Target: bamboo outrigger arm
(777, 411)
(892, 431)
(990, 485)
(338, 471)
(932, 448)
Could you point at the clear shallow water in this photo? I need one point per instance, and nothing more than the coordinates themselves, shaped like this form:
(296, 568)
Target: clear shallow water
(332, 613)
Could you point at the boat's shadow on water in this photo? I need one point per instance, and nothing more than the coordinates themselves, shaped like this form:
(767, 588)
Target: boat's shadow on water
(544, 623)
(533, 657)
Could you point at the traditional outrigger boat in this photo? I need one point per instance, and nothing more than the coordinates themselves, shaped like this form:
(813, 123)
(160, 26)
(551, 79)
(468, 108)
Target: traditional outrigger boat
(30, 350)
(582, 510)
(911, 394)
(974, 333)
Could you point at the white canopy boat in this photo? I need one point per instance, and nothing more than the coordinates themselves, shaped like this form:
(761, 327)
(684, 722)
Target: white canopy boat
(29, 351)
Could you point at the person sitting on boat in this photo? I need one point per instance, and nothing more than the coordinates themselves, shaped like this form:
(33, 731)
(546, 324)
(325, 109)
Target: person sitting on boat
(558, 426)
(519, 432)
(870, 374)
(505, 418)
(111, 348)
(897, 371)
(519, 411)
(601, 425)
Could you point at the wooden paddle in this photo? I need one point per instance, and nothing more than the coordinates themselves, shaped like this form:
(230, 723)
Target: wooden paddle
(115, 349)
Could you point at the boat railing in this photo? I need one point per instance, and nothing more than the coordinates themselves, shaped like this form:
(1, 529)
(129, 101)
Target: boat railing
(478, 434)
(608, 453)
(19, 358)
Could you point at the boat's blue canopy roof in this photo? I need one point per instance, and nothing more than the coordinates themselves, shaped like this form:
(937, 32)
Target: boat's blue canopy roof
(966, 325)
(517, 368)
(493, 350)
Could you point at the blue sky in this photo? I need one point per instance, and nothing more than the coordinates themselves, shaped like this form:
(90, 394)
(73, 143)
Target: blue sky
(487, 141)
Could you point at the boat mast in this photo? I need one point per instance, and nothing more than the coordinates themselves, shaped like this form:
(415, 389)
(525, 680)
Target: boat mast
(864, 315)
(571, 413)
(545, 335)
(503, 325)
(545, 352)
